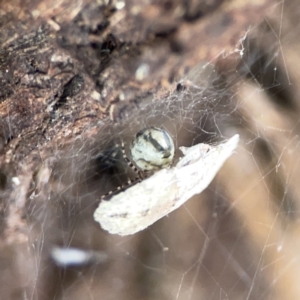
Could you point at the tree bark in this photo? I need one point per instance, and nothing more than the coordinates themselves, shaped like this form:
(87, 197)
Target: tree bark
(68, 69)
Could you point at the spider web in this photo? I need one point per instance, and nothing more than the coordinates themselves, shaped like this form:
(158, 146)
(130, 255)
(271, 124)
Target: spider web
(239, 239)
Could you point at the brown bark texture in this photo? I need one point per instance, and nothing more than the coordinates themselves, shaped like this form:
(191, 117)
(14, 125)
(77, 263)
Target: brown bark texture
(76, 76)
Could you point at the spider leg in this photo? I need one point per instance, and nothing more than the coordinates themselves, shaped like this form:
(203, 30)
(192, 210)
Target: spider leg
(130, 182)
(121, 188)
(125, 157)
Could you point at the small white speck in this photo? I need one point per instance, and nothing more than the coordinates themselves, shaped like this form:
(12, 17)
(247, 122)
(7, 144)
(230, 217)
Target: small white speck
(142, 72)
(120, 4)
(121, 97)
(75, 257)
(35, 13)
(16, 180)
(95, 95)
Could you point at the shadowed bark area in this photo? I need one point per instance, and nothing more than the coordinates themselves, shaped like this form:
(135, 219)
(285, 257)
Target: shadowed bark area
(70, 71)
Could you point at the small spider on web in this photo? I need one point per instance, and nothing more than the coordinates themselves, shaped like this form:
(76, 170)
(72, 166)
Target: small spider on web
(151, 149)
(139, 205)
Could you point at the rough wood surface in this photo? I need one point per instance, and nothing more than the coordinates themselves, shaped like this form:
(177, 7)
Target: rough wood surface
(64, 64)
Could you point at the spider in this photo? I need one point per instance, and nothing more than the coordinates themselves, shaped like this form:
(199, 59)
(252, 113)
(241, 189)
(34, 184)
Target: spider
(151, 149)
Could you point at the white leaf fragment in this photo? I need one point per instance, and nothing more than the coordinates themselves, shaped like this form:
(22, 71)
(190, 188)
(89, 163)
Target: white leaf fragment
(143, 204)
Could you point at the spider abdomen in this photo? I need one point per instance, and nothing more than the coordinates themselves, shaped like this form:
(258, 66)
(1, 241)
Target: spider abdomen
(152, 149)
